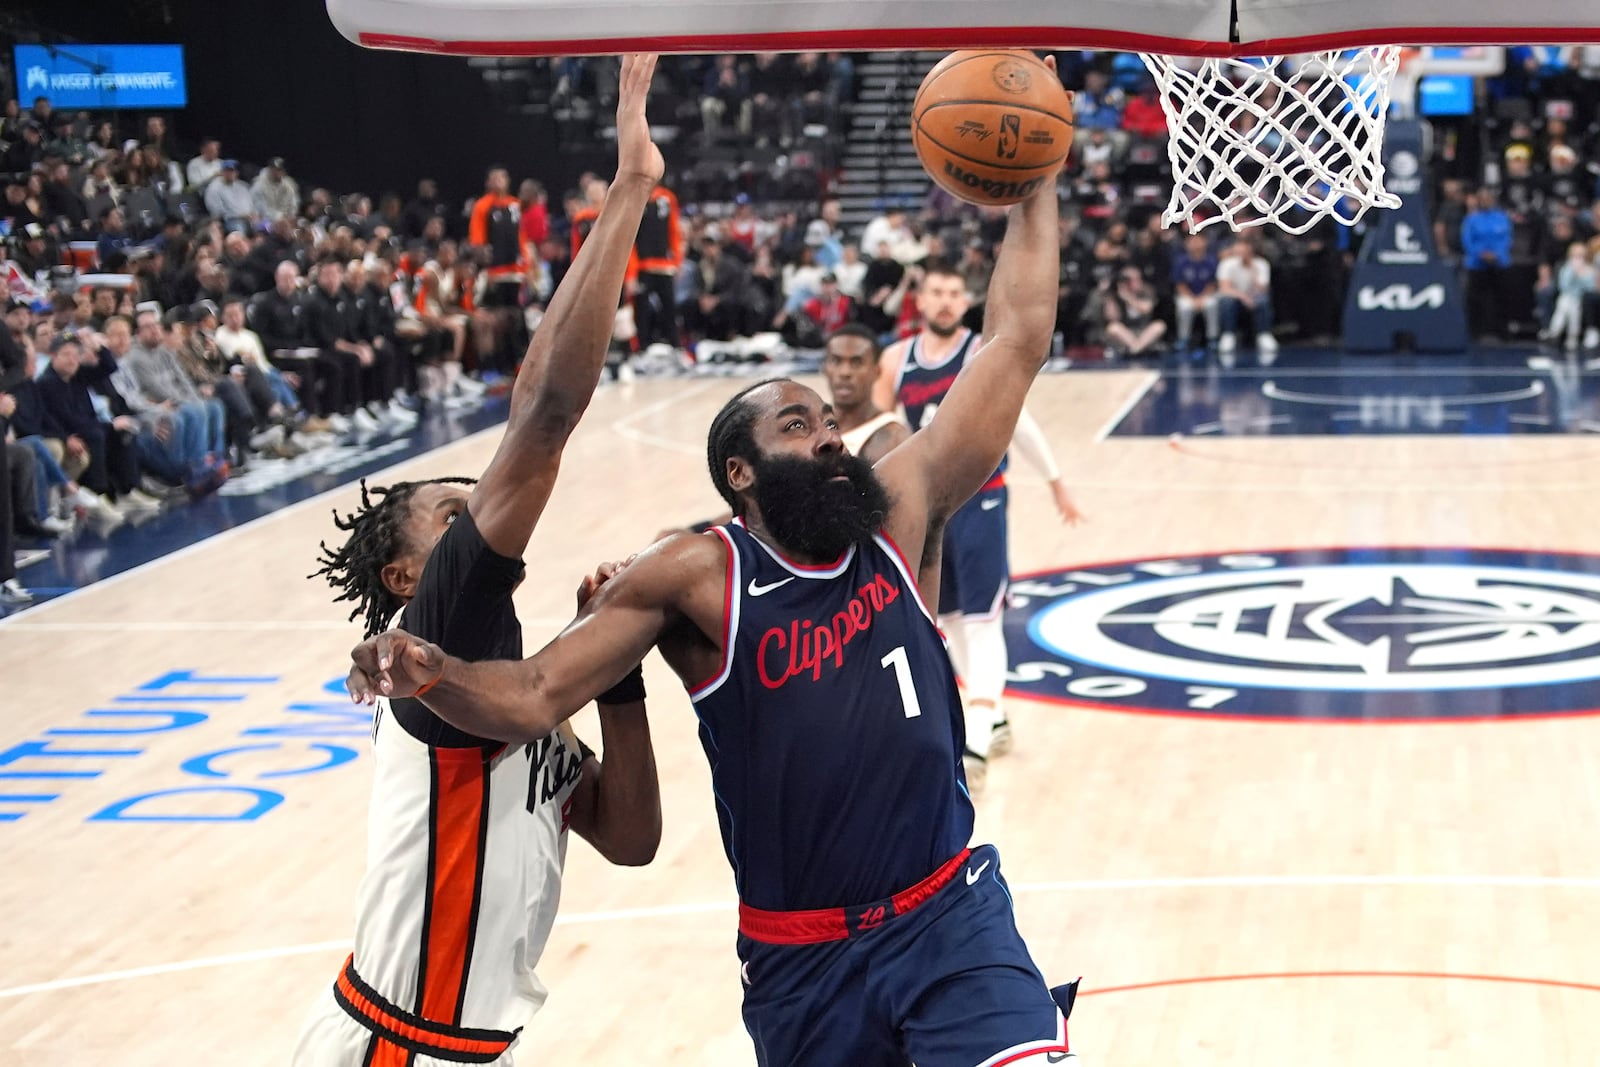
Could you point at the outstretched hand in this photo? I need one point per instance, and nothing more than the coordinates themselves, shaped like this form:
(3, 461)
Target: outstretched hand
(637, 154)
(604, 573)
(393, 664)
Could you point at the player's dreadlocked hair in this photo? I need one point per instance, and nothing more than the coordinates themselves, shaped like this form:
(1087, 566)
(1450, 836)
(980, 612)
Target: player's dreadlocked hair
(377, 534)
(731, 435)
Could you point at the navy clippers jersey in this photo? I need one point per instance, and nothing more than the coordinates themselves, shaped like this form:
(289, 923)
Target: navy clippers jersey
(922, 388)
(834, 730)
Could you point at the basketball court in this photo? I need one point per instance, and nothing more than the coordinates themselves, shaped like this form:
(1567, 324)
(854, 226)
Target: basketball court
(1251, 857)
(1306, 711)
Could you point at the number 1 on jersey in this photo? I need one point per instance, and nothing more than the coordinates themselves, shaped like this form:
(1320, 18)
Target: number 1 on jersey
(902, 675)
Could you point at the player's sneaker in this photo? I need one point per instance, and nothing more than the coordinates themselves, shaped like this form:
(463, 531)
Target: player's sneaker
(977, 769)
(1000, 739)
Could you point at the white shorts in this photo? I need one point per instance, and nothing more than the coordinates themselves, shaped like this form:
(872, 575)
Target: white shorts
(331, 1038)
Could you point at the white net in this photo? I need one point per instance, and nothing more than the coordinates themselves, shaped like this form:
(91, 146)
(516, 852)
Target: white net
(1280, 140)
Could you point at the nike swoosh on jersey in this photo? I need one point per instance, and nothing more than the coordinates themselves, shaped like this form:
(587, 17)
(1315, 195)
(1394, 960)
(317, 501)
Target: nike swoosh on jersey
(989, 505)
(974, 875)
(756, 589)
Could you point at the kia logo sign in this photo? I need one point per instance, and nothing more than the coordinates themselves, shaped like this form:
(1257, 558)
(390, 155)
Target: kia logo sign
(1400, 298)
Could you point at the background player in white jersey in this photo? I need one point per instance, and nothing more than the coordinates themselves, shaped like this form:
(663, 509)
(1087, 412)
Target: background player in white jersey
(467, 835)
(850, 365)
(916, 375)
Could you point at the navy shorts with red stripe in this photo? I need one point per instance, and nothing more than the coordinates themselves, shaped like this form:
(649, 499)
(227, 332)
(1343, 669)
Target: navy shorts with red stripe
(947, 984)
(976, 568)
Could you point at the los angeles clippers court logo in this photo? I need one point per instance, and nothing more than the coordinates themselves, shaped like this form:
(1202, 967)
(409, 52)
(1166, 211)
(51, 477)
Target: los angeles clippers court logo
(1379, 634)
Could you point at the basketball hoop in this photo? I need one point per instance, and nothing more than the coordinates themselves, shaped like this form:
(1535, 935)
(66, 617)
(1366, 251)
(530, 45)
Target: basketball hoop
(1279, 140)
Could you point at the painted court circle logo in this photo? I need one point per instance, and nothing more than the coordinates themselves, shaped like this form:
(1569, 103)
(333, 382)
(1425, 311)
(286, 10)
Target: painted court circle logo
(1370, 634)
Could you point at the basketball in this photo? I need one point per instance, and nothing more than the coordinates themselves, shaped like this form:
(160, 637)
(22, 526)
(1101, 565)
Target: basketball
(992, 126)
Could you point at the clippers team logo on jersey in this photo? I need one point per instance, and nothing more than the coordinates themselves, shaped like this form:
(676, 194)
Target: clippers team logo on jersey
(1372, 634)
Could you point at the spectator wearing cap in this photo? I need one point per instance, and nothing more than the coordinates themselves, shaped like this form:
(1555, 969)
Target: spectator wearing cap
(229, 199)
(276, 194)
(38, 253)
(207, 369)
(65, 141)
(204, 167)
(829, 309)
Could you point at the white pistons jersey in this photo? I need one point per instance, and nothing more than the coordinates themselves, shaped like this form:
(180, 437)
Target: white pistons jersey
(855, 440)
(465, 849)
(466, 839)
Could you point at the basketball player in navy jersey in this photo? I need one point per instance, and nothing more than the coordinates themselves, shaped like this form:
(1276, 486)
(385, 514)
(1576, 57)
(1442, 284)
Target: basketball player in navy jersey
(870, 935)
(467, 835)
(975, 565)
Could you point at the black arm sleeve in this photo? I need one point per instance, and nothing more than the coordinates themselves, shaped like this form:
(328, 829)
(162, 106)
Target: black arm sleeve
(463, 605)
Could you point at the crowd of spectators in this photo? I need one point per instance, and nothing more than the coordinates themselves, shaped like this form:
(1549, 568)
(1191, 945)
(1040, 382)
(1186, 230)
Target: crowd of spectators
(175, 313)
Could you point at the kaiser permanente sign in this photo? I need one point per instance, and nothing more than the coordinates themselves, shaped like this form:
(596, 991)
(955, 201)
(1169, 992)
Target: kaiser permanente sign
(99, 76)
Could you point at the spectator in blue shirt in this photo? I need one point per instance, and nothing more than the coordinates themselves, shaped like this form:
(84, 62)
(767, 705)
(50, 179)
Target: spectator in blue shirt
(1194, 283)
(1486, 252)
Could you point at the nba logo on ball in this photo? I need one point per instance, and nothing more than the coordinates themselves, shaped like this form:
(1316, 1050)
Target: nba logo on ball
(1370, 634)
(969, 94)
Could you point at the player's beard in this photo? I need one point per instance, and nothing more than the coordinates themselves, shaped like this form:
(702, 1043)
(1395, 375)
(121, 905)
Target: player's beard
(939, 329)
(811, 515)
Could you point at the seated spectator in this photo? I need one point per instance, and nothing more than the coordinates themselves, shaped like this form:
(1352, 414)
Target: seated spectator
(190, 425)
(715, 310)
(99, 183)
(61, 457)
(204, 167)
(1144, 117)
(113, 471)
(26, 151)
(207, 370)
(879, 285)
(726, 89)
(275, 194)
(889, 229)
(824, 313)
(162, 475)
(279, 403)
(851, 272)
(1575, 289)
(1131, 326)
(38, 253)
(1244, 288)
(1194, 281)
(229, 199)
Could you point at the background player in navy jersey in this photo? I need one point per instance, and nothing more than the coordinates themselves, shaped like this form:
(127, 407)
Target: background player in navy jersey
(974, 562)
(869, 934)
(466, 834)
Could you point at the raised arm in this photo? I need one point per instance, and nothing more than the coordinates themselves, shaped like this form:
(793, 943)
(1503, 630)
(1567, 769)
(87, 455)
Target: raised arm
(567, 353)
(950, 458)
(678, 579)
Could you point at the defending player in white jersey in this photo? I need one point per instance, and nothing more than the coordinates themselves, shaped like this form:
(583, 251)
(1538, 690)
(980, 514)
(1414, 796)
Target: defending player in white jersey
(916, 375)
(466, 836)
(850, 365)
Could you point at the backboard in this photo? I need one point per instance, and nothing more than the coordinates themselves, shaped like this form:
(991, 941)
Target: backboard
(1180, 27)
